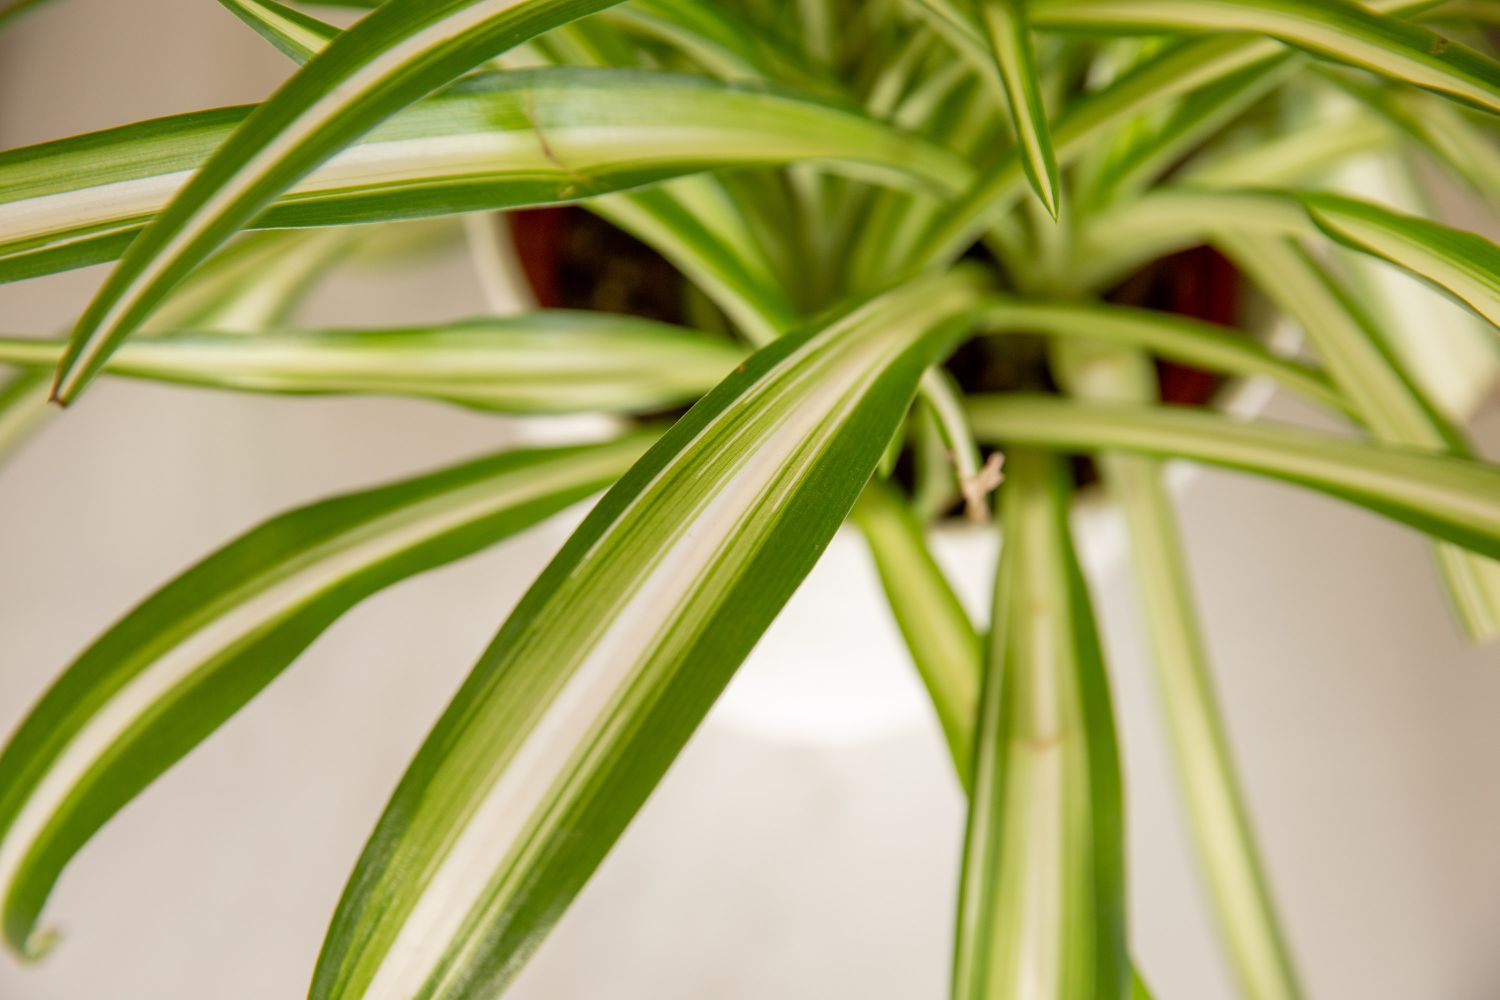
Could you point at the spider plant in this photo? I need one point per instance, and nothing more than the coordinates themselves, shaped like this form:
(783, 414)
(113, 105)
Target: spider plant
(872, 204)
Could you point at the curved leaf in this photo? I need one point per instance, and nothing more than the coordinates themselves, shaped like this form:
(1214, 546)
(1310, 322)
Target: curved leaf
(1382, 394)
(1218, 815)
(608, 664)
(1466, 265)
(1010, 41)
(399, 53)
(23, 407)
(1177, 338)
(1181, 69)
(1042, 907)
(1335, 29)
(944, 645)
(297, 35)
(545, 362)
(501, 140)
(171, 671)
(1455, 499)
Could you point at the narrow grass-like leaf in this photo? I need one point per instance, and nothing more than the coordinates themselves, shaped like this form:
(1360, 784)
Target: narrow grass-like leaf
(1385, 398)
(171, 671)
(695, 224)
(1295, 158)
(1218, 816)
(1181, 69)
(256, 282)
(1455, 499)
(23, 408)
(1341, 30)
(693, 221)
(1010, 41)
(1177, 338)
(944, 645)
(720, 39)
(1466, 265)
(1042, 904)
(545, 362)
(1197, 117)
(501, 140)
(399, 53)
(252, 284)
(299, 36)
(608, 664)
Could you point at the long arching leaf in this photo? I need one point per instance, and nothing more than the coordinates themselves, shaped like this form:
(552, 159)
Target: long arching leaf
(608, 664)
(502, 140)
(1455, 499)
(399, 53)
(1335, 29)
(1385, 397)
(545, 362)
(944, 644)
(171, 671)
(1180, 70)
(1010, 41)
(1042, 907)
(1466, 265)
(1177, 338)
(1216, 810)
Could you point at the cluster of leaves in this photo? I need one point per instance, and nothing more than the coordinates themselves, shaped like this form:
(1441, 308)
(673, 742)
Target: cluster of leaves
(817, 170)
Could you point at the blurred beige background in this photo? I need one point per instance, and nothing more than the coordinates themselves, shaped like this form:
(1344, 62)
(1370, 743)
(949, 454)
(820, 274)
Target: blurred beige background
(771, 864)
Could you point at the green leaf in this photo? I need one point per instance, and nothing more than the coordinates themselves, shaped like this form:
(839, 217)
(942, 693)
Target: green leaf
(1464, 264)
(1042, 905)
(171, 671)
(724, 42)
(1010, 41)
(1455, 499)
(1334, 29)
(256, 281)
(391, 58)
(1385, 398)
(696, 224)
(23, 408)
(1196, 118)
(298, 35)
(1217, 814)
(1177, 338)
(545, 362)
(692, 221)
(501, 140)
(944, 645)
(1180, 70)
(610, 661)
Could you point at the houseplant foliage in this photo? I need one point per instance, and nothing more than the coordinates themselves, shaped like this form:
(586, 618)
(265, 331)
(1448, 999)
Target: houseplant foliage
(852, 192)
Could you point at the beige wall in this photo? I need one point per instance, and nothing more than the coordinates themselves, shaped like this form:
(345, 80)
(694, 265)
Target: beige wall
(763, 869)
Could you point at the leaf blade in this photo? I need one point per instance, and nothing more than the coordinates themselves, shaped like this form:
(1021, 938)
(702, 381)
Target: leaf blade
(391, 58)
(943, 642)
(1218, 815)
(82, 200)
(1042, 906)
(1009, 37)
(1455, 499)
(169, 672)
(1463, 264)
(1341, 30)
(583, 699)
(546, 362)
